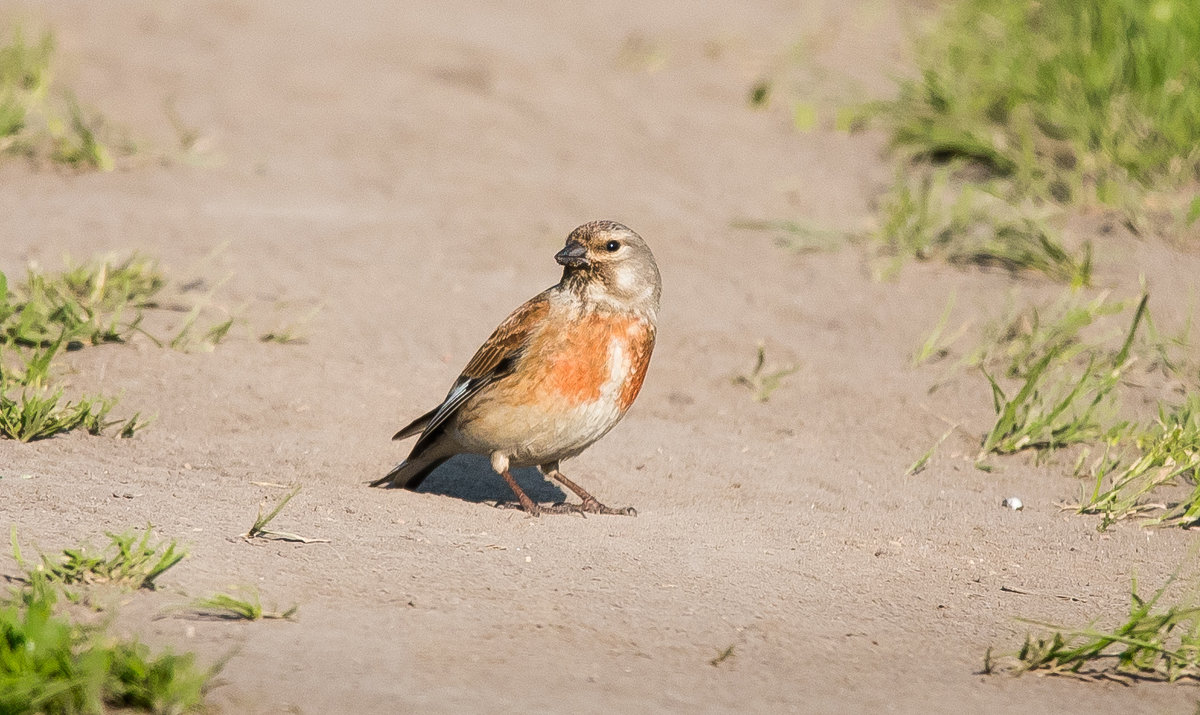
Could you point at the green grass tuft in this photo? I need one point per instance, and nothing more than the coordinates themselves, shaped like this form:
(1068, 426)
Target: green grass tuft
(34, 416)
(128, 561)
(759, 381)
(1058, 401)
(1052, 409)
(1164, 454)
(1153, 643)
(30, 409)
(230, 607)
(87, 304)
(259, 530)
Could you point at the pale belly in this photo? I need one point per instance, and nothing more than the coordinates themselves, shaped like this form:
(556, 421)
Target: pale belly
(530, 436)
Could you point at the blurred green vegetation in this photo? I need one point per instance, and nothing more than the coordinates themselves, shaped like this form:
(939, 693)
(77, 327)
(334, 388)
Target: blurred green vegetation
(38, 119)
(1072, 100)
(1036, 107)
(52, 660)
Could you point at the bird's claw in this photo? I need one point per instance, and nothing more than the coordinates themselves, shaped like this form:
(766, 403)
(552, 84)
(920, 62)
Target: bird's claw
(531, 509)
(590, 506)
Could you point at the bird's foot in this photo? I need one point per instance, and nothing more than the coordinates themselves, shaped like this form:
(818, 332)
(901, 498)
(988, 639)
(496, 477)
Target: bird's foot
(531, 509)
(588, 506)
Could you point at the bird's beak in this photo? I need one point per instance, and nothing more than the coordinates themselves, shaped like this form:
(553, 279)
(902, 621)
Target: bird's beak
(573, 256)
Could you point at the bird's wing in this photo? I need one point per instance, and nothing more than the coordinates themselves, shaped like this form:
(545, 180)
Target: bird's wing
(494, 359)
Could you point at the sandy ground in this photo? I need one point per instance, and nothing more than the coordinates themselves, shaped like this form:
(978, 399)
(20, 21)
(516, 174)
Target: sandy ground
(410, 172)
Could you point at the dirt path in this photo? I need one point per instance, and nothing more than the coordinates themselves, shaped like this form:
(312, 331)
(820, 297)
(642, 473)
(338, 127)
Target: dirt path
(411, 173)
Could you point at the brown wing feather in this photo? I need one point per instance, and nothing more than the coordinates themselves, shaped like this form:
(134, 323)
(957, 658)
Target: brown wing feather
(508, 337)
(494, 359)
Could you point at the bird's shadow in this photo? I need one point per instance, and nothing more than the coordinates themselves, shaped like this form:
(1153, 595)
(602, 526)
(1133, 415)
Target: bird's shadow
(470, 477)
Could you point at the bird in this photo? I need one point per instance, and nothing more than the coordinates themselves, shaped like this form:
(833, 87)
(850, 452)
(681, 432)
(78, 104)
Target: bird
(555, 376)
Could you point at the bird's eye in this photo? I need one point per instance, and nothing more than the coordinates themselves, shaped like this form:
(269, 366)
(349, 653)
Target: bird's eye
(612, 246)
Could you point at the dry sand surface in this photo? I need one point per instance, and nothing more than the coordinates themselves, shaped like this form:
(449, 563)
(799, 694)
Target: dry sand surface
(410, 169)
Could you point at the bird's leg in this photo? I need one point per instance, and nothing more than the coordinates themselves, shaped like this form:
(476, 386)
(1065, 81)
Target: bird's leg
(589, 503)
(526, 503)
(500, 464)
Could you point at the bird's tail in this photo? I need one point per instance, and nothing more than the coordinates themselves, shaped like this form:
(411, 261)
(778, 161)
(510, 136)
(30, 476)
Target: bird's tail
(410, 473)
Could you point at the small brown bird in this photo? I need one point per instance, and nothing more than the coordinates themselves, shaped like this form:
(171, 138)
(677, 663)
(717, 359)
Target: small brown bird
(556, 376)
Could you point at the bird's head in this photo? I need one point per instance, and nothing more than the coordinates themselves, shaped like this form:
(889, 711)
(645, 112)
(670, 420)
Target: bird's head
(607, 262)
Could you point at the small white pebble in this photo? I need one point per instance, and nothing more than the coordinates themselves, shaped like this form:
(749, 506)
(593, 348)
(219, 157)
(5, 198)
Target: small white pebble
(528, 559)
(1013, 503)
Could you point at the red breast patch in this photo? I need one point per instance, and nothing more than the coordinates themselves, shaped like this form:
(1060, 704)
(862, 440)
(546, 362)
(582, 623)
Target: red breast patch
(580, 369)
(639, 346)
